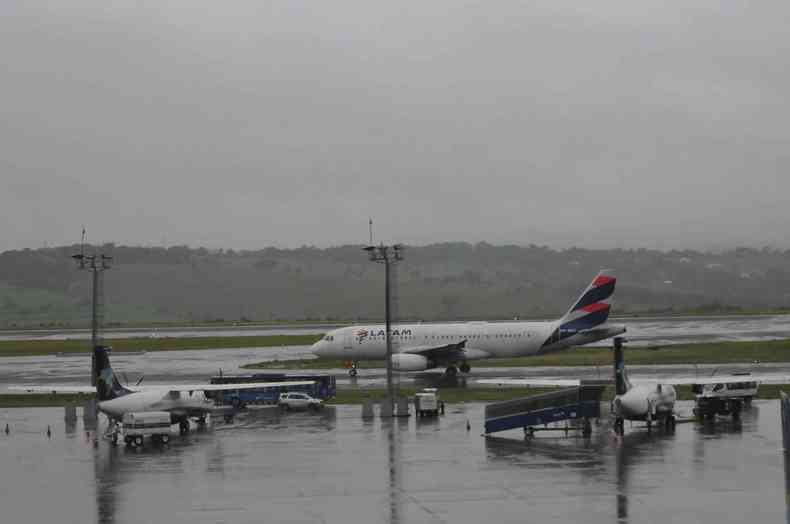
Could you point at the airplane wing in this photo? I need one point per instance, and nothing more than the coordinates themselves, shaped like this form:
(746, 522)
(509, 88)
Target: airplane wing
(675, 381)
(233, 387)
(721, 379)
(455, 351)
(54, 389)
(531, 382)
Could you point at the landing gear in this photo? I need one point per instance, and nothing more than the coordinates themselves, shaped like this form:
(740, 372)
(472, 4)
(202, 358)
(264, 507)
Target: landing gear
(669, 423)
(164, 439)
(451, 371)
(465, 367)
(201, 423)
(138, 440)
(619, 426)
(352, 371)
(183, 427)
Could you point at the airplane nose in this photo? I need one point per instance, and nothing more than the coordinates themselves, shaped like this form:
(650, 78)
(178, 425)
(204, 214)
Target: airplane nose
(631, 405)
(318, 348)
(110, 408)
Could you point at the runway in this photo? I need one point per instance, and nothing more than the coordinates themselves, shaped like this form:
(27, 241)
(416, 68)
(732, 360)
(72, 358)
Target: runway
(198, 366)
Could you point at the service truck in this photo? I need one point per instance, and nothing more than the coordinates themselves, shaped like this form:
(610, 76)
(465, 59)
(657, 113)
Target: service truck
(427, 402)
(153, 424)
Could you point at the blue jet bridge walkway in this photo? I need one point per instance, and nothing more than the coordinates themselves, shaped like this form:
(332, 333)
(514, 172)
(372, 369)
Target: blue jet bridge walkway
(581, 402)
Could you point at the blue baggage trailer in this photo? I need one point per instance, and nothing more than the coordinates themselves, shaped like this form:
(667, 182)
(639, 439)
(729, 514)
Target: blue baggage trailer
(323, 387)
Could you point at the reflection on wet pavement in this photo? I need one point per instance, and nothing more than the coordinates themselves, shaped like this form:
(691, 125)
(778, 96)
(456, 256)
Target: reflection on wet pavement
(334, 467)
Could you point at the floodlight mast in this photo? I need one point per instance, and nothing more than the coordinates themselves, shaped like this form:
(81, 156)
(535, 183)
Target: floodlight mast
(96, 264)
(387, 255)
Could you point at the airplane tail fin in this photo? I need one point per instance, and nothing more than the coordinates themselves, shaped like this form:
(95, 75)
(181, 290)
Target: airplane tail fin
(621, 382)
(107, 385)
(593, 306)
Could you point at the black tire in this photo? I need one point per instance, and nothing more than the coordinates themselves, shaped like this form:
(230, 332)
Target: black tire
(352, 372)
(451, 371)
(465, 367)
(127, 441)
(138, 440)
(164, 439)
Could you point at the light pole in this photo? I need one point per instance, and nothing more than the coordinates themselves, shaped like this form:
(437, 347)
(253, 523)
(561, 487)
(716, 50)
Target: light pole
(96, 264)
(387, 255)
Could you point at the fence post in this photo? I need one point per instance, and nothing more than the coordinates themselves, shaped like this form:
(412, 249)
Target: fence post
(784, 402)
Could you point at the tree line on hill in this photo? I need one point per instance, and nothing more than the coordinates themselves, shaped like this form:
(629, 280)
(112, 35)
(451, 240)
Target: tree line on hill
(451, 281)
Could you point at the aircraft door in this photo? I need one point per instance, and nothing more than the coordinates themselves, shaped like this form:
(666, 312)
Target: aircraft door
(346, 341)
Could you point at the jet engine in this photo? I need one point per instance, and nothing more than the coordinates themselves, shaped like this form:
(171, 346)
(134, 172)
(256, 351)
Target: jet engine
(409, 362)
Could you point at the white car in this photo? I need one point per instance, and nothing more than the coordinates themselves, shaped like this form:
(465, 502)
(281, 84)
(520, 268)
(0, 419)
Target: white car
(299, 401)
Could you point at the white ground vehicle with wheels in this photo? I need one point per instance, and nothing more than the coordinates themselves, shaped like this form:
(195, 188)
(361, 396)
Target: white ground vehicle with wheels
(153, 424)
(290, 401)
(427, 402)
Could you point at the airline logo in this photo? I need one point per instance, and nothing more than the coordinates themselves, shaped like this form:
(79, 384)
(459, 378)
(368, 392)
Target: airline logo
(589, 311)
(361, 334)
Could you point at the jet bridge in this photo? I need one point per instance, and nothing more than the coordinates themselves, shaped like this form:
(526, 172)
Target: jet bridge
(541, 412)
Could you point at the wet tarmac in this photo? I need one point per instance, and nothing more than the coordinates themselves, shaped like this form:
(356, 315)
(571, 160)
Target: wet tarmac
(173, 367)
(641, 330)
(198, 366)
(334, 467)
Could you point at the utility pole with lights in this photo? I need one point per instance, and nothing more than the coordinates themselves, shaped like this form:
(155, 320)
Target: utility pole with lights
(389, 256)
(97, 264)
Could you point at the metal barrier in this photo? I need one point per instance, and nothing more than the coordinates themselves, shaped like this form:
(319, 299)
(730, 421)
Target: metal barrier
(784, 402)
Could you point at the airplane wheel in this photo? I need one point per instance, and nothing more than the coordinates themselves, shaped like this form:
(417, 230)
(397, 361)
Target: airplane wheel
(451, 371)
(138, 441)
(164, 439)
(619, 427)
(649, 426)
(114, 439)
(183, 426)
(352, 372)
(128, 441)
(465, 367)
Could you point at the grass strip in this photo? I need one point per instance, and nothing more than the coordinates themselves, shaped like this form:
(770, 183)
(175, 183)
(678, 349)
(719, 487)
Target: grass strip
(43, 400)
(458, 395)
(14, 348)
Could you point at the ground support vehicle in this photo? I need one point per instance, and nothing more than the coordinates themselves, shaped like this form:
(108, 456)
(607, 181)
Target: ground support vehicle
(427, 403)
(153, 424)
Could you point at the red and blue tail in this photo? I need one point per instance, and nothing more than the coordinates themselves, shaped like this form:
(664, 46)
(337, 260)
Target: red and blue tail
(593, 306)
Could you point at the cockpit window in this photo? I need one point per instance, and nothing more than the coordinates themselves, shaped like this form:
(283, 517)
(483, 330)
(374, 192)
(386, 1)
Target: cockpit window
(329, 338)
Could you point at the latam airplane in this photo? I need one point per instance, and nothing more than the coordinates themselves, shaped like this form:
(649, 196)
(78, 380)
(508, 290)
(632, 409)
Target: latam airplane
(417, 347)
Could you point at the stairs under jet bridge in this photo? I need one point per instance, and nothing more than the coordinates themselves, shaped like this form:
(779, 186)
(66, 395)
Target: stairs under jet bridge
(543, 412)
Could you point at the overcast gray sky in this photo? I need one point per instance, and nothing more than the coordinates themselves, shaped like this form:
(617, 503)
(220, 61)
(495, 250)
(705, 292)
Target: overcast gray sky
(250, 123)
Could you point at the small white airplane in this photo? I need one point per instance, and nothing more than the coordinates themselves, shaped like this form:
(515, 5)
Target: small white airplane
(182, 401)
(417, 347)
(646, 399)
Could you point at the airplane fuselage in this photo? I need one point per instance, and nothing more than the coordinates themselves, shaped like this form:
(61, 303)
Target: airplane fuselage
(180, 405)
(646, 401)
(482, 339)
